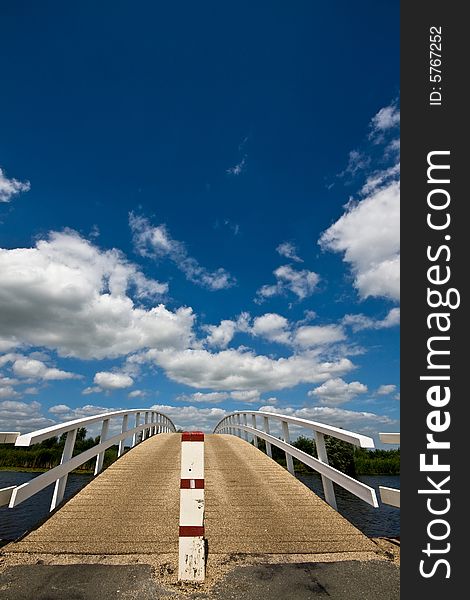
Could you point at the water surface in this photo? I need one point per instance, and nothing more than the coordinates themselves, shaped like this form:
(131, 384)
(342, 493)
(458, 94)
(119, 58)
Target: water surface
(374, 522)
(14, 522)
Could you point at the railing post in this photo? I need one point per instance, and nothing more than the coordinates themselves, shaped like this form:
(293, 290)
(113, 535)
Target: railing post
(137, 423)
(123, 429)
(231, 421)
(289, 459)
(145, 430)
(60, 484)
(328, 488)
(100, 457)
(239, 421)
(245, 422)
(269, 451)
(255, 439)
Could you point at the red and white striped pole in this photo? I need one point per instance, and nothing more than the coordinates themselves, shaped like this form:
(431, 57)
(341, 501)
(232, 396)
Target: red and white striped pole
(191, 563)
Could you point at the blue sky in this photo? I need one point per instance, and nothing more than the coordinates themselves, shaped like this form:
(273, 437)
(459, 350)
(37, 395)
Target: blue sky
(199, 211)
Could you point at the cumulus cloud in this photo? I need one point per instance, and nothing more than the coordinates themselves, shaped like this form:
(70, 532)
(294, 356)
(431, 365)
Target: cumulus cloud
(368, 234)
(238, 370)
(360, 422)
(309, 336)
(35, 369)
(192, 417)
(63, 413)
(302, 283)
(92, 390)
(337, 391)
(221, 335)
(275, 328)
(246, 396)
(386, 390)
(156, 242)
(359, 322)
(272, 327)
(204, 397)
(11, 187)
(68, 295)
(112, 381)
(137, 394)
(288, 250)
(7, 390)
(22, 416)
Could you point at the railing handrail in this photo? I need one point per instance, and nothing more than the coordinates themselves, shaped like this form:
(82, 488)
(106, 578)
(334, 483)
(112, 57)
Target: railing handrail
(35, 437)
(233, 422)
(154, 422)
(357, 439)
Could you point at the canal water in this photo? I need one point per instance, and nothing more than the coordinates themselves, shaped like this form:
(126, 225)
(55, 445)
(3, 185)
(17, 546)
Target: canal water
(14, 522)
(374, 522)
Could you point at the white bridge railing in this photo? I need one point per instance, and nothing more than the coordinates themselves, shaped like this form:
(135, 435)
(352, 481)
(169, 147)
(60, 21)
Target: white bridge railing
(153, 422)
(237, 423)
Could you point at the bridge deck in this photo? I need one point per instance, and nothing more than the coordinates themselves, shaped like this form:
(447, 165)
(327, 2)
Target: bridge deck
(252, 506)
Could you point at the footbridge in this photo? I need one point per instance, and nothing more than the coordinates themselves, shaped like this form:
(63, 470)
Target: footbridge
(193, 496)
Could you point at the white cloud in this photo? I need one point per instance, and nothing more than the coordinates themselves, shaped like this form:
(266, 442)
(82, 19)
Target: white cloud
(309, 336)
(360, 422)
(11, 187)
(137, 394)
(386, 390)
(92, 390)
(369, 236)
(221, 335)
(275, 328)
(238, 168)
(337, 391)
(378, 179)
(8, 391)
(68, 295)
(272, 327)
(239, 370)
(63, 413)
(201, 397)
(192, 417)
(357, 162)
(387, 118)
(302, 283)
(59, 409)
(22, 416)
(288, 250)
(360, 321)
(156, 242)
(35, 369)
(112, 381)
(246, 396)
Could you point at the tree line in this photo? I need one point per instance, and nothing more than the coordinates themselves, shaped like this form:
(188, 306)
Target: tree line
(345, 457)
(48, 453)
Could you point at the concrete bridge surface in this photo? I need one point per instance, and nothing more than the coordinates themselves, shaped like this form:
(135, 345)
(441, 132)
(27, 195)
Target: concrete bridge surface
(122, 528)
